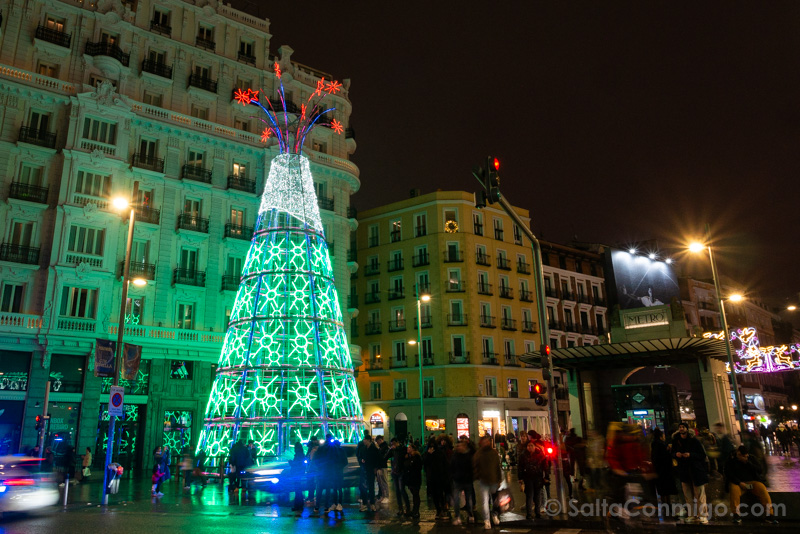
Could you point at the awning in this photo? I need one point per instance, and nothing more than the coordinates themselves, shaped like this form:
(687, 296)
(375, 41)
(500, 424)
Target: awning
(647, 352)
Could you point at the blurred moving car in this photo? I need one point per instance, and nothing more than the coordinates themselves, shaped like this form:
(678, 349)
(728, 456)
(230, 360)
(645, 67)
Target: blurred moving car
(276, 476)
(22, 488)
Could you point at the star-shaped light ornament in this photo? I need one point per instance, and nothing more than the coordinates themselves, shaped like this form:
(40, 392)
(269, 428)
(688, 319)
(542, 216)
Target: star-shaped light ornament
(266, 134)
(333, 87)
(277, 70)
(337, 126)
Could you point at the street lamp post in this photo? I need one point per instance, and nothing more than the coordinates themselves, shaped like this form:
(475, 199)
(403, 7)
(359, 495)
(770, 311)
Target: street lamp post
(420, 299)
(120, 330)
(696, 247)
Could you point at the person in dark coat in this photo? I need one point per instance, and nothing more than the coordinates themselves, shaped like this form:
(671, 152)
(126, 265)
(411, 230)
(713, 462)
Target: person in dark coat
(461, 475)
(380, 472)
(692, 471)
(297, 467)
(412, 477)
(435, 463)
(398, 458)
(744, 474)
(337, 462)
(532, 466)
(322, 468)
(661, 459)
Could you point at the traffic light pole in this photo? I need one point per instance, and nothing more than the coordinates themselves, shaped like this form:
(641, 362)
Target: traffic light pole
(544, 331)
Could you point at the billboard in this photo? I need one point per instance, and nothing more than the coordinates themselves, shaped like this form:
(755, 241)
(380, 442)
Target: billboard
(642, 282)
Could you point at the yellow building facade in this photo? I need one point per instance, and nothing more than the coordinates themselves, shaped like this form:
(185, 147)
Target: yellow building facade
(477, 268)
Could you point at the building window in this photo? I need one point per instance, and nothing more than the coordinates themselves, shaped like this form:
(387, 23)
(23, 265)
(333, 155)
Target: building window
(185, 316)
(395, 230)
(400, 389)
(450, 214)
(498, 229)
(180, 370)
(21, 233)
(513, 388)
(199, 112)
(490, 386)
(242, 124)
(134, 308)
(161, 17)
(428, 388)
(399, 351)
(11, 298)
(78, 302)
(239, 169)
(30, 174)
(54, 23)
(93, 185)
(375, 390)
(47, 69)
(152, 99)
(205, 33)
(420, 224)
(373, 235)
(100, 131)
(83, 240)
(477, 223)
(458, 345)
(517, 235)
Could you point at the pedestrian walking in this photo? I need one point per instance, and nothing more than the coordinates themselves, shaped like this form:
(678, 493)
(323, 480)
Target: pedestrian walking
(311, 452)
(86, 463)
(532, 465)
(322, 471)
(412, 478)
(157, 478)
(297, 468)
(692, 471)
(784, 437)
(398, 458)
(461, 473)
(595, 459)
(384, 455)
(436, 473)
(338, 461)
(486, 465)
(661, 459)
(626, 457)
(367, 455)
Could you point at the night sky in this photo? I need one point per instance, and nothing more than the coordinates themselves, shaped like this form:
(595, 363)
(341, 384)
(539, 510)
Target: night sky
(614, 122)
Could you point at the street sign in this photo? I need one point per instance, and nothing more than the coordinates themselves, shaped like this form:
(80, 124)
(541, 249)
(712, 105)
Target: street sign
(116, 400)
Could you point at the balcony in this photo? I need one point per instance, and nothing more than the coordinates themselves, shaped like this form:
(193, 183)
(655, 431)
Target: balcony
(53, 36)
(352, 212)
(459, 357)
(567, 295)
(372, 298)
(571, 327)
(147, 215)
(456, 320)
(556, 325)
(427, 359)
(510, 360)
(372, 269)
(198, 173)
(148, 162)
(247, 58)
(189, 221)
(19, 254)
(162, 29)
(352, 255)
(189, 277)
(394, 236)
(523, 267)
(423, 258)
(477, 229)
(503, 263)
(427, 322)
(352, 301)
(550, 292)
(77, 324)
(490, 358)
(506, 292)
(488, 321)
(525, 295)
(397, 294)
(399, 394)
(498, 234)
(37, 137)
(397, 326)
(109, 50)
(207, 44)
(325, 203)
(529, 327)
(139, 270)
(373, 241)
(31, 193)
(420, 231)
(484, 288)
(230, 282)
(372, 328)
(396, 264)
(201, 82)
(506, 323)
(156, 67)
(588, 330)
(599, 301)
(375, 365)
(583, 298)
(453, 256)
(240, 183)
(237, 231)
(396, 363)
(482, 259)
(455, 286)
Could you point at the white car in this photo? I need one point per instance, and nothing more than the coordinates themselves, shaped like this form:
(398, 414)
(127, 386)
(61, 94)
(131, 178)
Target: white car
(21, 488)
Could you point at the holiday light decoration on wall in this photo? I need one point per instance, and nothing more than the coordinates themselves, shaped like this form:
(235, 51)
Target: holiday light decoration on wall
(285, 374)
(753, 358)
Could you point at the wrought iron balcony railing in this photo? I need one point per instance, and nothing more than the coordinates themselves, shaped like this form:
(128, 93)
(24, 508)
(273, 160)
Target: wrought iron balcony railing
(456, 320)
(19, 254)
(240, 183)
(189, 221)
(109, 50)
(31, 193)
(157, 68)
(201, 82)
(139, 270)
(38, 137)
(238, 231)
(53, 36)
(146, 161)
(147, 215)
(189, 277)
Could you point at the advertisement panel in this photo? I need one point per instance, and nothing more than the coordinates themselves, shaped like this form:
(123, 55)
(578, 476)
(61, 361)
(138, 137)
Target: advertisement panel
(642, 282)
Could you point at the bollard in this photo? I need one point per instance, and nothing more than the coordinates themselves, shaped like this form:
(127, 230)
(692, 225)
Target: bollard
(66, 489)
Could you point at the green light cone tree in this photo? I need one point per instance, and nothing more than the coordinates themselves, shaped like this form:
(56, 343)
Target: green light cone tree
(285, 373)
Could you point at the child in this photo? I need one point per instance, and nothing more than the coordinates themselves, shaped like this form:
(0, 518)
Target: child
(158, 478)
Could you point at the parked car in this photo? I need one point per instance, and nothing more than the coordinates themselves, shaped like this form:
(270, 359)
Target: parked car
(275, 476)
(22, 489)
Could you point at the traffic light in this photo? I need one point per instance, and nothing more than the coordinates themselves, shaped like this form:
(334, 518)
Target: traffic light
(493, 164)
(550, 451)
(538, 392)
(39, 423)
(544, 352)
(489, 180)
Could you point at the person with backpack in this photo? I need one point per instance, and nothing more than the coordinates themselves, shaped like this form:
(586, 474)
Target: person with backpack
(435, 463)
(461, 474)
(532, 466)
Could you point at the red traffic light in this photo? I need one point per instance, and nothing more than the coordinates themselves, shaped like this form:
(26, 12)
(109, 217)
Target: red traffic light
(496, 164)
(537, 388)
(545, 350)
(550, 450)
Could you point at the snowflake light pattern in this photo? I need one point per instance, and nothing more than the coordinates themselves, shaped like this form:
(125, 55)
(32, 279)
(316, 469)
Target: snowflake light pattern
(285, 373)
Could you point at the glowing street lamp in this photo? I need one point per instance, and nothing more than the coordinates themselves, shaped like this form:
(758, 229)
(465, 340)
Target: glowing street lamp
(699, 247)
(791, 307)
(421, 297)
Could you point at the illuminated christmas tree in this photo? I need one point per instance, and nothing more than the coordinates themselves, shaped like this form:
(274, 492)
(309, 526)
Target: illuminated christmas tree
(285, 373)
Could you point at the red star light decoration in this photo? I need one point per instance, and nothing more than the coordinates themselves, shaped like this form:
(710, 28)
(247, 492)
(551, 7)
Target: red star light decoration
(277, 70)
(245, 97)
(266, 134)
(320, 87)
(333, 87)
(337, 126)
